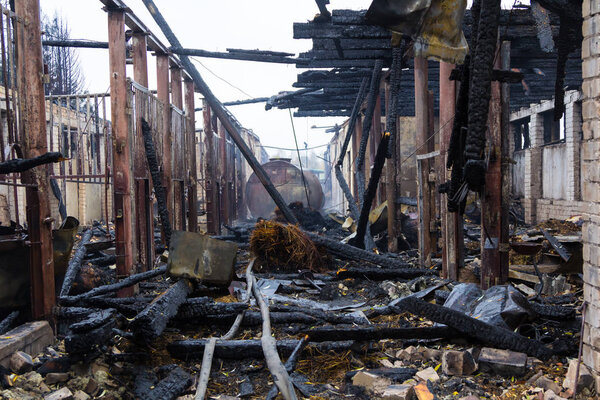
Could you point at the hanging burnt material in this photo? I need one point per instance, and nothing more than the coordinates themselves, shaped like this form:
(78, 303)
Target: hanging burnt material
(456, 150)
(392, 112)
(480, 94)
(569, 40)
(155, 172)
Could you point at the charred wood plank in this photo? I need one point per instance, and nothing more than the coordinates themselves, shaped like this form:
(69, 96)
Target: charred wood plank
(497, 75)
(202, 307)
(170, 388)
(128, 309)
(102, 261)
(243, 56)
(379, 274)
(193, 349)
(24, 164)
(75, 263)
(93, 321)
(491, 335)
(86, 342)
(328, 316)
(150, 323)
(323, 334)
(129, 281)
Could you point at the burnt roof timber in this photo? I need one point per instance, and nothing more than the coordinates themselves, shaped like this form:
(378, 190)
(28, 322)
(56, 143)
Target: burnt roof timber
(137, 26)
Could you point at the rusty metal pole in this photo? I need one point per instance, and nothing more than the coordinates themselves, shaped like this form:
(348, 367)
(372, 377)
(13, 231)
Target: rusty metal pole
(448, 220)
(422, 130)
(494, 204)
(39, 219)
(121, 145)
(144, 227)
(178, 159)
(162, 92)
(191, 155)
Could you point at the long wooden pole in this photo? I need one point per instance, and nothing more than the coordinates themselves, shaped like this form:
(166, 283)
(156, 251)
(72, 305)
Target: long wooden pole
(192, 169)
(39, 218)
(178, 159)
(494, 210)
(121, 159)
(422, 128)
(162, 92)
(143, 207)
(449, 220)
(226, 118)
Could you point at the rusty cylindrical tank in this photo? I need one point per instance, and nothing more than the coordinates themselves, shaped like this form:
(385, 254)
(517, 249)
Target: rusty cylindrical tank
(288, 180)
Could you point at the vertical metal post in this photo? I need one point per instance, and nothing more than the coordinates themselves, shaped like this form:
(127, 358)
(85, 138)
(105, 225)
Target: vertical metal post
(450, 254)
(422, 130)
(178, 159)
(144, 210)
(162, 92)
(33, 114)
(494, 202)
(121, 145)
(191, 155)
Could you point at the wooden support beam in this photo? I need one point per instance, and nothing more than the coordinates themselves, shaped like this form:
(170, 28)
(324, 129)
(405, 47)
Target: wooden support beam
(39, 218)
(451, 222)
(162, 86)
(143, 206)
(191, 156)
(223, 176)
(494, 202)
(212, 204)
(422, 132)
(121, 159)
(178, 159)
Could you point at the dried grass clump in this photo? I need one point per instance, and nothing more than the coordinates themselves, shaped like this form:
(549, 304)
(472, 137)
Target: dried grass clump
(275, 244)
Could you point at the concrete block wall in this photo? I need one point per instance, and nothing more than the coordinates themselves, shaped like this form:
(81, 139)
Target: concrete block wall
(590, 182)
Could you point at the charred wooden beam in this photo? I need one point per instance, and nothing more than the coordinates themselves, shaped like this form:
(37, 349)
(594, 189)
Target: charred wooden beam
(324, 334)
(128, 308)
(75, 263)
(127, 282)
(244, 56)
(240, 349)
(93, 321)
(150, 323)
(20, 164)
(86, 342)
(157, 179)
(200, 307)
(83, 44)
(499, 75)
(170, 388)
(491, 335)
(327, 316)
(348, 252)
(380, 274)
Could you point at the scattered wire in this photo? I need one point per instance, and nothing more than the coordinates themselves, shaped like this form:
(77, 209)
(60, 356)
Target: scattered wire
(296, 149)
(195, 59)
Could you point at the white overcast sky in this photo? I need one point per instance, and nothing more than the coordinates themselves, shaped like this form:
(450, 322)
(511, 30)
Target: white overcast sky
(216, 25)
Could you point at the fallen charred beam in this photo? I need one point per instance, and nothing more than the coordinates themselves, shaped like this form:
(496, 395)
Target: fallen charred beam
(86, 342)
(72, 312)
(175, 383)
(157, 181)
(548, 311)
(75, 264)
(24, 164)
(379, 274)
(491, 335)
(238, 55)
(241, 349)
(99, 245)
(127, 310)
(102, 261)
(201, 307)
(328, 316)
(129, 281)
(93, 321)
(348, 252)
(8, 322)
(150, 323)
(324, 334)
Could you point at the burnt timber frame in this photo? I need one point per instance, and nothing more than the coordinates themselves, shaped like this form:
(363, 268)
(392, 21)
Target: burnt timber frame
(31, 90)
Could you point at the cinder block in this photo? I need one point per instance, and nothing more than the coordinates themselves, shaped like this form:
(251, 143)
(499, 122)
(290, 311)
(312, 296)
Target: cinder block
(30, 338)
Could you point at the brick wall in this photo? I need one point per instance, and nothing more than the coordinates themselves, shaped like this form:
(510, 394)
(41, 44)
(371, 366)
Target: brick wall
(590, 182)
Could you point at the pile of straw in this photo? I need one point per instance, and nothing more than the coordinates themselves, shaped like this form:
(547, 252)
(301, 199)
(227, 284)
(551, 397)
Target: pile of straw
(279, 245)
